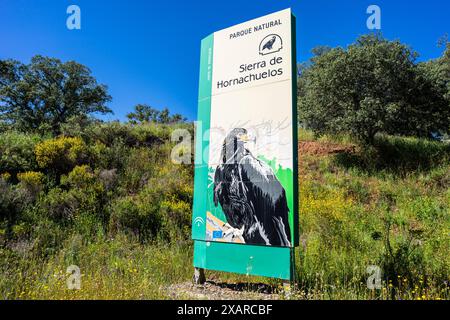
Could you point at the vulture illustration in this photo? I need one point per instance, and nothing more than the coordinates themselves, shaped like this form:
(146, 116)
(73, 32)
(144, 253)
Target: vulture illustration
(268, 45)
(252, 199)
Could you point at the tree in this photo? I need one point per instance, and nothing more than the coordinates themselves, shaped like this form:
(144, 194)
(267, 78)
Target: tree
(437, 75)
(47, 92)
(372, 86)
(145, 113)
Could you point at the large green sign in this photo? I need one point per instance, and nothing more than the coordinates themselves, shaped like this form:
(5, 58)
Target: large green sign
(245, 217)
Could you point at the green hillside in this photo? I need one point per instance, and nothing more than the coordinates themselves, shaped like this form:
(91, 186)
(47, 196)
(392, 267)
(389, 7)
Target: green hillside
(108, 199)
(374, 183)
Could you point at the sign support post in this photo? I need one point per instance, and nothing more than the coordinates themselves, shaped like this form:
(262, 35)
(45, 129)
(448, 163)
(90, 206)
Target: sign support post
(199, 276)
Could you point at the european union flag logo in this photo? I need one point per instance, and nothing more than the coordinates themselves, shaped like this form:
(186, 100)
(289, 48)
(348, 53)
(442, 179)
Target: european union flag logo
(217, 234)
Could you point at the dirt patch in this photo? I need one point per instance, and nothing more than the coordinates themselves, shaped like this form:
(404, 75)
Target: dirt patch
(317, 148)
(212, 290)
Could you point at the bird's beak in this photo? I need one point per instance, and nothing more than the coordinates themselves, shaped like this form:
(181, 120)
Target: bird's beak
(244, 138)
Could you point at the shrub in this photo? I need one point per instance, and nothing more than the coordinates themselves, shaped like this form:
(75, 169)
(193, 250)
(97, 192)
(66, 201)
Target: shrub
(125, 215)
(48, 236)
(137, 215)
(98, 155)
(108, 178)
(305, 135)
(111, 133)
(403, 254)
(8, 202)
(5, 176)
(139, 167)
(59, 205)
(31, 178)
(13, 201)
(324, 205)
(79, 177)
(79, 126)
(148, 134)
(31, 182)
(162, 207)
(114, 157)
(176, 219)
(64, 207)
(17, 151)
(60, 153)
(409, 154)
(398, 155)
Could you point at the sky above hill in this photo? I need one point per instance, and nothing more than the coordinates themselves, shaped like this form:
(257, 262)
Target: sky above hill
(148, 51)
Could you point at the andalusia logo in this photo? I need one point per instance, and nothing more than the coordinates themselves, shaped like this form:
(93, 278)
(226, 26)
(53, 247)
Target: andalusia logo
(270, 44)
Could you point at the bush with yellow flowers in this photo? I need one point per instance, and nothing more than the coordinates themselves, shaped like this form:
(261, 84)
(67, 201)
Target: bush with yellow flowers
(31, 178)
(329, 204)
(176, 218)
(80, 177)
(5, 176)
(60, 153)
(31, 183)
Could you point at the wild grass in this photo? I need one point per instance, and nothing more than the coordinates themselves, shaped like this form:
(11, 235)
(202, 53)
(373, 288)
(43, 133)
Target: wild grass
(396, 217)
(119, 268)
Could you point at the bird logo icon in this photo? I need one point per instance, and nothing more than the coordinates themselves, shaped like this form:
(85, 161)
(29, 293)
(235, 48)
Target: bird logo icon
(270, 44)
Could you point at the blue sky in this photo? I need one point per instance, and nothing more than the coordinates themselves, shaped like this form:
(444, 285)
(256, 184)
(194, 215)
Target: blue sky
(148, 51)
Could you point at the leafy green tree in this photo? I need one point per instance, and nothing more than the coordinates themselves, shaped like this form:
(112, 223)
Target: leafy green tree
(145, 113)
(47, 92)
(142, 113)
(437, 75)
(372, 86)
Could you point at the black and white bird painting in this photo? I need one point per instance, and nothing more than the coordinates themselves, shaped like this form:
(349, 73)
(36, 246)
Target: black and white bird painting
(269, 44)
(252, 199)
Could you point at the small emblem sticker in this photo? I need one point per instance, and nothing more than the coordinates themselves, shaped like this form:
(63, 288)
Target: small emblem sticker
(270, 44)
(217, 234)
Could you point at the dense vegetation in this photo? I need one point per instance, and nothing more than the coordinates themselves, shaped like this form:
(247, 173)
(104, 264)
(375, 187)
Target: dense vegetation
(106, 197)
(108, 200)
(374, 86)
(107, 182)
